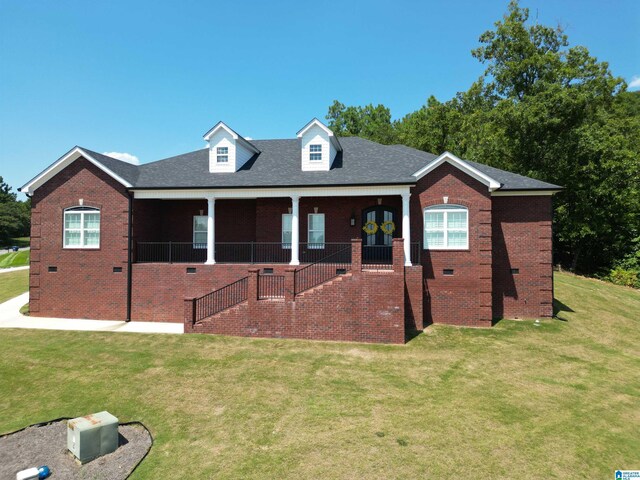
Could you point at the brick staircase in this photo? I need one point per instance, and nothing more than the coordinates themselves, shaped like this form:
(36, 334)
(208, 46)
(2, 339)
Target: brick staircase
(242, 308)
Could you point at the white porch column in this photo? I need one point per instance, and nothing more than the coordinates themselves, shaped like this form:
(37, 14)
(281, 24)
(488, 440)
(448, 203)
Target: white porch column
(406, 229)
(295, 230)
(211, 234)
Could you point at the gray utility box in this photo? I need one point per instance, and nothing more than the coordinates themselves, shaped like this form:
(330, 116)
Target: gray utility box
(92, 436)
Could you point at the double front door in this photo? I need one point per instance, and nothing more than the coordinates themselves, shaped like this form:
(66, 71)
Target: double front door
(378, 229)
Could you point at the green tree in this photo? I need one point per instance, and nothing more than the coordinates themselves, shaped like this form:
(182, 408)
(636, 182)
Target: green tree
(14, 215)
(369, 122)
(545, 110)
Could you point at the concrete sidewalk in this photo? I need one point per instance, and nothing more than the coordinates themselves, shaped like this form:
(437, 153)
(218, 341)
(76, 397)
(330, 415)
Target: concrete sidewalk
(10, 317)
(13, 269)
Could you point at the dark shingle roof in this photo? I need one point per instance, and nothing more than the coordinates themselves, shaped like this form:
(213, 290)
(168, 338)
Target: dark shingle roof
(509, 180)
(362, 162)
(125, 170)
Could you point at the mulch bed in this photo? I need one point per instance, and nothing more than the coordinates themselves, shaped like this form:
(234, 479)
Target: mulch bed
(46, 444)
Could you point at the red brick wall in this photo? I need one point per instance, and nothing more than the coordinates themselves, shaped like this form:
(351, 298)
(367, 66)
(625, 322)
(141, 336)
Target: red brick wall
(465, 297)
(414, 298)
(164, 220)
(361, 306)
(85, 285)
(337, 216)
(522, 240)
(159, 289)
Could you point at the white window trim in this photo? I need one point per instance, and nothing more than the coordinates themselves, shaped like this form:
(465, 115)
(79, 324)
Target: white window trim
(220, 155)
(285, 245)
(445, 209)
(312, 153)
(199, 245)
(81, 211)
(316, 246)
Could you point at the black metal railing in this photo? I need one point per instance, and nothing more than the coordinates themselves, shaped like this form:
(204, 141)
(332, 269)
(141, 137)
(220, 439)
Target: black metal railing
(252, 252)
(238, 252)
(270, 286)
(320, 252)
(337, 263)
(171, 252)
(377, 257)
(221, 299)
(416, 251)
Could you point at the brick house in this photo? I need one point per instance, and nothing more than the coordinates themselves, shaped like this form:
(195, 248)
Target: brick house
(313, 237)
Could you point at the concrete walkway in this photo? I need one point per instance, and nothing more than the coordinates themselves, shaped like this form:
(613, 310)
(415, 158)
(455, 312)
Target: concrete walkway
(10, 317)
(13, 269)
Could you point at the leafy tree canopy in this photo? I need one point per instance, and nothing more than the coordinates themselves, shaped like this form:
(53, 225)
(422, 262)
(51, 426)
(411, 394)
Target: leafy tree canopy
(545, 110)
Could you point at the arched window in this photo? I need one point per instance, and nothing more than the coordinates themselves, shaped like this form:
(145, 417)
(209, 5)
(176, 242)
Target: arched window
(446, 227)
(81, 227)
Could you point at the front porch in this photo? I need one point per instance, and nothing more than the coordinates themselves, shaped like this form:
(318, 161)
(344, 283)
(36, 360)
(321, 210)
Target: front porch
(290, 231)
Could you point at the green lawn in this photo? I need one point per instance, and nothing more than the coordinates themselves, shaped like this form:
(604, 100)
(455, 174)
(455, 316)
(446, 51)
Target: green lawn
(14, 259)
(561, 400)
(13, 284)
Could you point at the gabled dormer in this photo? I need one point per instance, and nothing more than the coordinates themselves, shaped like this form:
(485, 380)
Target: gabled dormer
(228, 151)
(319, 147)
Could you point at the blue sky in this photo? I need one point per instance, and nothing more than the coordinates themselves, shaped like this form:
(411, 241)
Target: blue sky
(150, 78)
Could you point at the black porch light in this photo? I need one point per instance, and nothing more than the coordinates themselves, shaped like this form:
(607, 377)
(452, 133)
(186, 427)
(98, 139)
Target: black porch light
(353, 220)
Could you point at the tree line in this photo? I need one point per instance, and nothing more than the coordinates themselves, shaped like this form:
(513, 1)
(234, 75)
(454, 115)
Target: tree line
(15, 216)
(545, 110)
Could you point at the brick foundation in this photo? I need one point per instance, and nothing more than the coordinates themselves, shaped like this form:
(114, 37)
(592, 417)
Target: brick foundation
(361, 306)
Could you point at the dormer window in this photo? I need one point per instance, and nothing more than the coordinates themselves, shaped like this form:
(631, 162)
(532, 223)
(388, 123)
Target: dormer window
(222, 154)
(315, 153)
(318, 147)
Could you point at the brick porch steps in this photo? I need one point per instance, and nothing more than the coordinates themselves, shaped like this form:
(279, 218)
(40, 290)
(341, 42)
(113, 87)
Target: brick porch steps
(237, 309)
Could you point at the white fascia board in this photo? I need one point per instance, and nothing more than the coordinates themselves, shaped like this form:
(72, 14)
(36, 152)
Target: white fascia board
(247, 144)
(250, 193)
(64, 161)
(217, 127)
(461, 165)
(315, 122)
(524, 193)
(237, 137)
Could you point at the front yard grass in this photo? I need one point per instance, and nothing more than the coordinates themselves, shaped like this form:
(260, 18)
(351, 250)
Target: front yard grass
(14, 259)
(556, 401)
(13, 284)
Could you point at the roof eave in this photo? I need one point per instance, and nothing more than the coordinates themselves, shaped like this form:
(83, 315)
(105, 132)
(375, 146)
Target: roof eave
(65, 160)
(450, 158)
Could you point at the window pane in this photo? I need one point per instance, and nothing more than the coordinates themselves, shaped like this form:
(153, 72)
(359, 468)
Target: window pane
(457, 239)
(286, 222)
(315, 156)
(71, 239)
(223, 158)
(223, 150)
(200, 223)
(92, 220)
(316, 237)
(316, 222)
(91, 239)
(434, 239)
(200, 238)
(457, 220)
(433, 220)
(72, 220)
(315, 148)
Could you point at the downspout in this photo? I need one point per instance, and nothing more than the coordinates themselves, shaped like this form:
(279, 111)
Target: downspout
(129, 256)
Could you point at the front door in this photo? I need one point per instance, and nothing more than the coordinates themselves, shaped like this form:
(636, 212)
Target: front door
(378, 230)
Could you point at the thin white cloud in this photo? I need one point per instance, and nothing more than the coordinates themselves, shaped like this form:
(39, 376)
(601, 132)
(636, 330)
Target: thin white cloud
(635, 82)
(125, 157)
